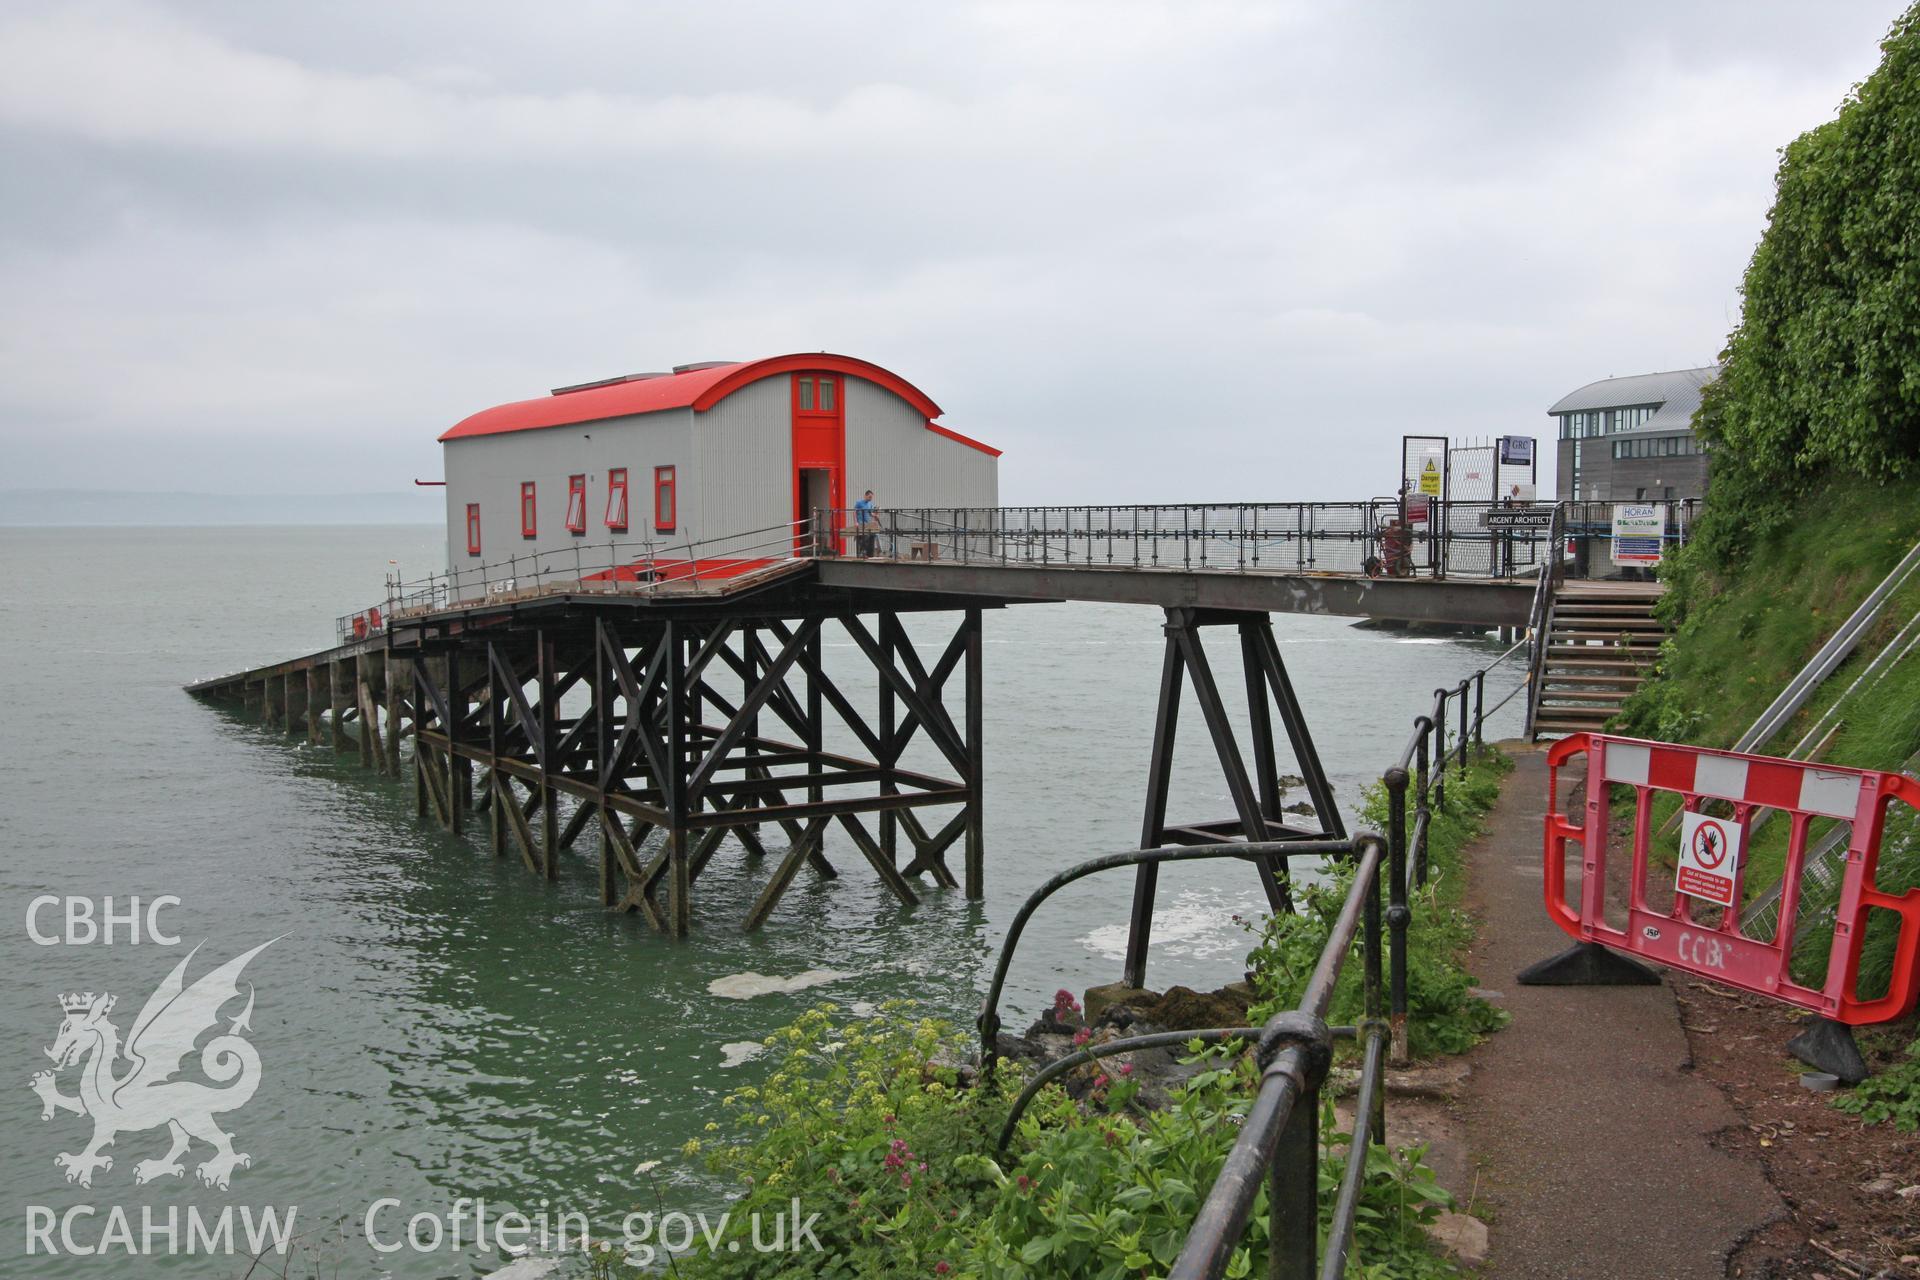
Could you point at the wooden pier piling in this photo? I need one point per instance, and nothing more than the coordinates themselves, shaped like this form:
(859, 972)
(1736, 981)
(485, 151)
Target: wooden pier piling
(688, 733)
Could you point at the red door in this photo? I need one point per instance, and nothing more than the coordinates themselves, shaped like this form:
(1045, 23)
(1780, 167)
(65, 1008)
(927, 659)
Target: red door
(820, 445)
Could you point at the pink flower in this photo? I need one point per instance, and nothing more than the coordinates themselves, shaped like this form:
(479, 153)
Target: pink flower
(1064, 1003)
(941, 1268)
(1081, 1036)
(1126, 1068)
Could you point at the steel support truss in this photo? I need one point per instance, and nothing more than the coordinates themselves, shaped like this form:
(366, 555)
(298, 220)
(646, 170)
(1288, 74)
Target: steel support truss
(1256, 792)
(671, 735)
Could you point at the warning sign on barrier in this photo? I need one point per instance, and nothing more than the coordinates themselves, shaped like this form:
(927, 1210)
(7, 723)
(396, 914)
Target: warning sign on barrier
(1709, 858)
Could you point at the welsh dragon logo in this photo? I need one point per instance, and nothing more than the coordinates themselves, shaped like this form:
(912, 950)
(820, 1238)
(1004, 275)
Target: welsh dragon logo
(146, 1095)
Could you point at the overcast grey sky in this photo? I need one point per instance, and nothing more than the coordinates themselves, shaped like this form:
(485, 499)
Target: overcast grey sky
(1154, 251)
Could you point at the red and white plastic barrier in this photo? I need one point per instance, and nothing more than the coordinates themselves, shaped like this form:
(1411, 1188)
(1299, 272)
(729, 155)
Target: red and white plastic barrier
(1710, 867)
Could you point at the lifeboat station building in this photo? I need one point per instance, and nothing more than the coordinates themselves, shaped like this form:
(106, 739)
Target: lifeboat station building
(721, 461)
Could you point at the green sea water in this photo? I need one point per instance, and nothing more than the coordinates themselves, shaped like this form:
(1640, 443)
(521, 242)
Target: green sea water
(435, 1024)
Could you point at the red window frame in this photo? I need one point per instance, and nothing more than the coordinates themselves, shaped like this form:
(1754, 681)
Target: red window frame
(577, 504)
(817, 393)
(617, 499)
(529, 511)
(473, 528)
(666, 500)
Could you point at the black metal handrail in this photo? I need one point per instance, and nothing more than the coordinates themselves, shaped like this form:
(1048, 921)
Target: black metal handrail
(651, 566)
(1250, 851)
(1107, 1049)
(1308, 537)
(1279, 1141)
(1294, 1049)
(1439, 538)
(1552, 570)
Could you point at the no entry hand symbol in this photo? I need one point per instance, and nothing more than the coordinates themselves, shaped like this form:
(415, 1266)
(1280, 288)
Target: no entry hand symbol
(1709, 844)
(1709, 859)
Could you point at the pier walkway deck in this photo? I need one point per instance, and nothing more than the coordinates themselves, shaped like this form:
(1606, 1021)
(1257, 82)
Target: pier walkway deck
(678, 701)
(1494, 602)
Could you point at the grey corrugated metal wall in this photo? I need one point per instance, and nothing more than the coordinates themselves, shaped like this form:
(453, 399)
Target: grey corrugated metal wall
(489, 469)
(743, 448)
(890, 451)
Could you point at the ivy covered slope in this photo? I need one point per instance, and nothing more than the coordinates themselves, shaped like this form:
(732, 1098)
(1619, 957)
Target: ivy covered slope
(1814, 435)
(1813, 427)
(1740, 631)
(1822, 376)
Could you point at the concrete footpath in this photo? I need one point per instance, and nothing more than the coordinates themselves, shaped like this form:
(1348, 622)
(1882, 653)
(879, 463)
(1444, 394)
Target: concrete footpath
(1591, 1138)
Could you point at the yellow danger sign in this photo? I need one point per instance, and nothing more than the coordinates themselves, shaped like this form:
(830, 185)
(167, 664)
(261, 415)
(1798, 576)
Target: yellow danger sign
(1430, 478)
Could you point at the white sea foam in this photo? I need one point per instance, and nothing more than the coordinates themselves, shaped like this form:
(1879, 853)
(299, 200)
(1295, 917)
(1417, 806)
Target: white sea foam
(745, 986)
(732, 1055)
(1196, 925)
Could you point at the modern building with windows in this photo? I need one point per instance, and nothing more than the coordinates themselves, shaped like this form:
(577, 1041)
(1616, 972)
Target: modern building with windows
(1631, 439)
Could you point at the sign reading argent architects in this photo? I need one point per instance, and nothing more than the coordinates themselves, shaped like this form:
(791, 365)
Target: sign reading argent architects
(1518, 518)
(1638, 528)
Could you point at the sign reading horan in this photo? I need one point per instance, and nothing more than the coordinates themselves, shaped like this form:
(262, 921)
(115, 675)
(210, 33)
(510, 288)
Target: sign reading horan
(1637, 530)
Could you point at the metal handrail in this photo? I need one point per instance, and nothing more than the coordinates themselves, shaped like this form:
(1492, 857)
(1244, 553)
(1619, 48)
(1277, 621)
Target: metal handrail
(988, 1021)
(1303, 537)
(1278, 1141)
(1551, 573)
(593, 568)
(1094, 1052)
(1282, 1127)
(1297, 536)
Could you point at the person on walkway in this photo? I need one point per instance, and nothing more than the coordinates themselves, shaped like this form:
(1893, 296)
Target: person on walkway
(866, 526)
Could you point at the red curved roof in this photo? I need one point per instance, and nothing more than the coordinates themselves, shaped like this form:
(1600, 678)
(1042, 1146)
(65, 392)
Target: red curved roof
(698, 389)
